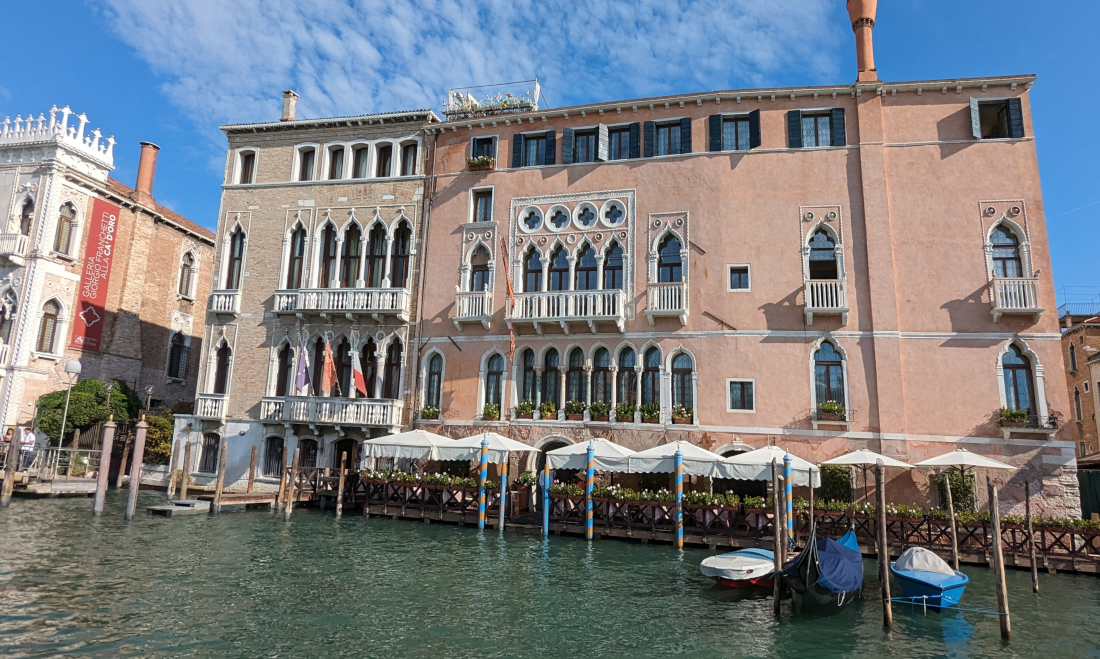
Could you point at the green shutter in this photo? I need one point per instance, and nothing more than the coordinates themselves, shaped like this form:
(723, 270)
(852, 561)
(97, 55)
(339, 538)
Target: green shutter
(794, 129)
(836, 125)
(567, 144)
(714, 127)
(754, 129)
(649, 129)
(1015, 117)
(635, 140)
(685, 135)
(549, 155)
(517, 150)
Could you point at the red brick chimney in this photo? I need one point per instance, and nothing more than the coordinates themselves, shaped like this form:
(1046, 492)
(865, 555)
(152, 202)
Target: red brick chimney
(147, 169)
(290, 104)
(862, 15)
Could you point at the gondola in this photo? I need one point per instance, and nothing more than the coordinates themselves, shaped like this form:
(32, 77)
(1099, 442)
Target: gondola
(744, 568)
(826, 576)
(926, 579)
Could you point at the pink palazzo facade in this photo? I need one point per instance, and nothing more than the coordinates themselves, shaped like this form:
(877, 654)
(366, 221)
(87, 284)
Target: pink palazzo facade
(878, 244)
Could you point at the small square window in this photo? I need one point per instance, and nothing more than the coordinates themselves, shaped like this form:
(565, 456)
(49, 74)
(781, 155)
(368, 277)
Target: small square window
(668, 139)
(483, 206)
(741, 396)
(484, 147)
(739, 278)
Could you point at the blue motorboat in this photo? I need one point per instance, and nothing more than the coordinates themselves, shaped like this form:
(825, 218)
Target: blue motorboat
(927, 580)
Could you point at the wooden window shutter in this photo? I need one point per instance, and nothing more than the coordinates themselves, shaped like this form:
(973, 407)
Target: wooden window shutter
(550, 155)
(649, 128)
(517, 150)
(603, 143)
(836, 123)
(754, 129)
(975, 119)
(566, 146)
(794, 129)
(635, 139)
(685, 135)
(1015, 117)
(714, 127)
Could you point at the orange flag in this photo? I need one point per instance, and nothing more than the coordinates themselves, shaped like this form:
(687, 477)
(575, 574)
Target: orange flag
(511, 298)
(328, 375)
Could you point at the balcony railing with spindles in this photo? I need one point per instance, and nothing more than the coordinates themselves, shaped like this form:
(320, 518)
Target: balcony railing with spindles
(210, 406)
(473, 307)
(566, 308)
(666, 299)
(325, 301)
(227, 302)
(334, 411)
(826, 297)
(1016, 295)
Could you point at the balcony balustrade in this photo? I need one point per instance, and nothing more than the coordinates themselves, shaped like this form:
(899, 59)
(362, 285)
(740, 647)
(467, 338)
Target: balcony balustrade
(211, 406)
(332, 411)
(226, 302)
(565, 308)
(1017, 296)
(14, 246)
(826, 297)
(473, 307)
(666, 299)
(349, 302)
(5, 357)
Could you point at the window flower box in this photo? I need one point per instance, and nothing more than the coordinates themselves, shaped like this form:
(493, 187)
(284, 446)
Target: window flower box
(525, 415)
(651, 419)
(599, 411)
(525, 409)
(600, 418)
(481, 163)
(681, 420)
(574, 417)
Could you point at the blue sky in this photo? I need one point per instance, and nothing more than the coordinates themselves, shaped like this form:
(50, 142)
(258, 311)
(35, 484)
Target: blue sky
(171, 71)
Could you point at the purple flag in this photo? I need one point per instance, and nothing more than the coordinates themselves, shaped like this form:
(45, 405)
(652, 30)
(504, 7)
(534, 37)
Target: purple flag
(301, 377)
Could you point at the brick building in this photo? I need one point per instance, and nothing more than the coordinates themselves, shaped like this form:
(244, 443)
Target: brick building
(1081, 353)
(92, 269)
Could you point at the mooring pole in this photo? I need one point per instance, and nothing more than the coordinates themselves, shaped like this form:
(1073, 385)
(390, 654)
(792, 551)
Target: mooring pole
(135, 467)
(883, 545)
(104, 465)
(777, 546)
(216, 506)
(503, 498)
(14, 456)
(546, 499)
(999, 561)
(252, 470)
(679, 467)
(483, 475)
(289, 507)
(185, 470)
(1030, 538)
(173, 464)
(589, 485)
(280, 498)
(951, 515)
(788, 496)
(810, 519)
(340, 484)
(122, 464)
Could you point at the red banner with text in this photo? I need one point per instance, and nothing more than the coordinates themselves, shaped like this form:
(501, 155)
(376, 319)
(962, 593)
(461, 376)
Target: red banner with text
(98, 254)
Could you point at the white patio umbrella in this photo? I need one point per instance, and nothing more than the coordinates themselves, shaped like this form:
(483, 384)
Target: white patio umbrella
(965, 459)
(414, 444)
(469, 448)
(609, 456)
(864, 459)
(662, 459)
(757, 466)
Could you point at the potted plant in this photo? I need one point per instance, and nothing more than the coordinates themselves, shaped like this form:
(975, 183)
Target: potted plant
(830, 410)
(548, 410)
(651, 413)
(429, 412)
(574, 410)
(599, 411)
(525, 409)
(491, 412)
(481, 163)
(1012, 418)
(681, 415)
(624, 412)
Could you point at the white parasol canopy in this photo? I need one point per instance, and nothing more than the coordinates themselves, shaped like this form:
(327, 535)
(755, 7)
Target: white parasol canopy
(866, 458)
(415, 444)
(469, 448)
(662, 459)
(757, 466)
(963, 458)
(609, 456)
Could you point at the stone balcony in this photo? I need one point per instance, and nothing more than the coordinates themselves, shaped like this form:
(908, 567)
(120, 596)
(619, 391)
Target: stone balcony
(568, 309)
(211, 407)
(826, 297)
(226, 302)
(13, 246)
(349, 302)
(5, 357)
(667, 299)
(473, 307)
(1016, 296)
(379, 412)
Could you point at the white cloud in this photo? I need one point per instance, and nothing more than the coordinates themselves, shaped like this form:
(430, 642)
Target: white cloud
(228, 61)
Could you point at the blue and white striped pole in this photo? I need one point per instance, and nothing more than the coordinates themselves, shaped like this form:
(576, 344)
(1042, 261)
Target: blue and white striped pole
(788, 492)
(679, 498)
(546, 499)
(502, 500)
(589, 483)
(482, 477)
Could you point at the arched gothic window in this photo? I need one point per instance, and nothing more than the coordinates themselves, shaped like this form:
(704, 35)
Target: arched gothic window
(318, 365)
(221, 368)
(1006, 253)
(829, 375)
(551, 378)
(284, 373)
(1019, 385)
(585, 278)
(8, 307)
(327, 276)
(1077, 414)
(435, 381)
(527, 383)
(376, 256)
(236, 259)
(823, 256)
(669, 263)
(559, 270)
(399, 256)
(47, 332)
(682, 368)
(1072, 358)
(342, 359)
(651, 378)
(532, 272)
(26, 218)
(64, 235)
(479, 269)
(628, 377)
(391, 377)
(601, 376)
(369, 361)
(297, 261)
(349, 257)
(613, 268)
(494, 375)
(177, 356)
(575, 377)
(187, 264)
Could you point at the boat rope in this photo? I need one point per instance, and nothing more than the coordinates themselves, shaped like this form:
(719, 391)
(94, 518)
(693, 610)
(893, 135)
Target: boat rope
(918, 601)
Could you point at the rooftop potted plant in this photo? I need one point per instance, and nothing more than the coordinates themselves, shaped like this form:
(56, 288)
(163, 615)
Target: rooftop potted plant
(548, 410)
(1012, 418)
(481, 163)
(574, 410)
(651, 413)
(600, 411)
(429, 412)
(624, 412)
(830, 410)
(525, 409)
(491, 412)
(681, 414)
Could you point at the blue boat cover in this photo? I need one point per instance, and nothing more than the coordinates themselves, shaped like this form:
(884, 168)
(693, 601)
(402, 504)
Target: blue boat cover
(841, 566)
(933, 579)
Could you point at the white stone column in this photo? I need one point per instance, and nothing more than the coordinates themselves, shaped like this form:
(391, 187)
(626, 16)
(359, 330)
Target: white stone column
(563, 392)
(613, 375)
(361, 281)
(335, 275)
(538, 392)
(638, 371)
(386, 268)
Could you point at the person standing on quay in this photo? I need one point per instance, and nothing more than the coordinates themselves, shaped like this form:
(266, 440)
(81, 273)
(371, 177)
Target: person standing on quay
(27, 445)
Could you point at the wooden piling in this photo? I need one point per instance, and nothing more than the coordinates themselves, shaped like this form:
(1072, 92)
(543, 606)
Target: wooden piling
(122, 465)
(289, 507)
(104, 466)
(185, 469)
(951, 515)
(999, 561)
(280, 499)
(173, 465)
(252, 470)
(340, 484)
(216, 505)
(1030, 538)
(135, 467)
(883, 545)
(14, 456)
(777, 547)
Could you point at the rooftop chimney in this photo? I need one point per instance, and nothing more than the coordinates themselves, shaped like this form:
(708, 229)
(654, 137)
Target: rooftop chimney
(862, 15)
(147, 169)
(290, 102)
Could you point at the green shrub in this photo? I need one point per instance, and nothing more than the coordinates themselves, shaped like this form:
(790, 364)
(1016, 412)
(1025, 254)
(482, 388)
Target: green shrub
(87, 405)
(650, 411)
(836, 483)
(158, 439)
(491, 412)
(575, 407)
(830, 407)
(525, 406)
(624, 412)
(548, 409)
(600, 409)
(962, 489)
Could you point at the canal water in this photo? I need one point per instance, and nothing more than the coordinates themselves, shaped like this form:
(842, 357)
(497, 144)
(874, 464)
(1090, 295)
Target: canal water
(247, 585)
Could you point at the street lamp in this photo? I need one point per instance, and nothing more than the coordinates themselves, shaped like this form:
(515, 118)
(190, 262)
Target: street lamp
(148, 396)
(73, 370)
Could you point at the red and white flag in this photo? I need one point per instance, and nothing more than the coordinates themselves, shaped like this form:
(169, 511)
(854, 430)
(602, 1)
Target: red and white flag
(328, 375)
(357, 374)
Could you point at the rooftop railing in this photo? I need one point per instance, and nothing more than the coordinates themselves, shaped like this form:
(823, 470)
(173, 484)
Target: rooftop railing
(66, 129)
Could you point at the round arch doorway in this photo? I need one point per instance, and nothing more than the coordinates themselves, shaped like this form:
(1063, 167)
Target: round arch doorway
(739, 487)
(550, 443)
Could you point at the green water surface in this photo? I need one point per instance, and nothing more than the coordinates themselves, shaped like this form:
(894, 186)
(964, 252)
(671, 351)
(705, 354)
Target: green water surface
(248, 585)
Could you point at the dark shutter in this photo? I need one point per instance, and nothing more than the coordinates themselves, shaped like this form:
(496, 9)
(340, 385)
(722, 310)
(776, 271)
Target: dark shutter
(603, 143)
(649, 129)
(550, 155)
(566, 146)
(1015, 117)
(975, 119)
(836, 123)
(635, 140)
(685, 135)
(714, 123)
(754, 129)
(794, 129)
(517, 150)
